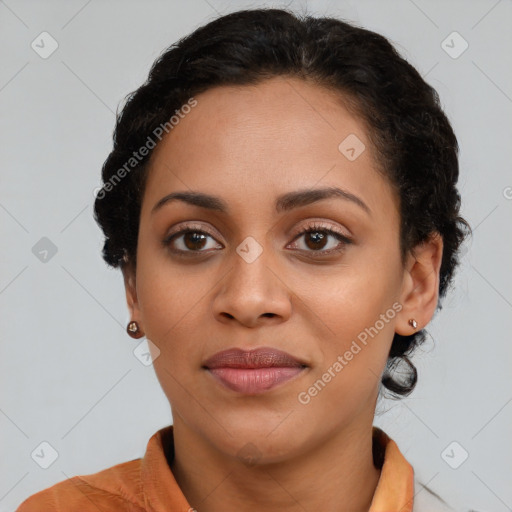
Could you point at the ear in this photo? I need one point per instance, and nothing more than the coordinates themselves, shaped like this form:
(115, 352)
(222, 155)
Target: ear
(420, 288)
(131, 292)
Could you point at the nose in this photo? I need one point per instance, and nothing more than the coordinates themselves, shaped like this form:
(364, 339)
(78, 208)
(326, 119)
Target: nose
(253, 292)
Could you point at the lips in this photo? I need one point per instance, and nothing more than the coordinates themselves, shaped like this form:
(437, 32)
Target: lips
(254, 371)
(249, 359)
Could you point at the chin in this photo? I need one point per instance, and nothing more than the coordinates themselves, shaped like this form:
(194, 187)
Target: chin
(260, 442)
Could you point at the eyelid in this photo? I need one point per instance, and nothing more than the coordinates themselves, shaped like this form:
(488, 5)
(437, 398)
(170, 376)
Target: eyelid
(312, 225)
(321, 225)
(190, 227)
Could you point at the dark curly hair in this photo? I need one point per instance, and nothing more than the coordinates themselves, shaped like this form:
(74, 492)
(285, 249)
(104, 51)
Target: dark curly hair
(411, 137)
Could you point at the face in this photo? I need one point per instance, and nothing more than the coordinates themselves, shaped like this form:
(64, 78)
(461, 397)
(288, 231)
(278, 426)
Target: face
(243, 273)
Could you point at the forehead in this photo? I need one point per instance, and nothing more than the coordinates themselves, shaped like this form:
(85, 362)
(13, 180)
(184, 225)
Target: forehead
(248, 143)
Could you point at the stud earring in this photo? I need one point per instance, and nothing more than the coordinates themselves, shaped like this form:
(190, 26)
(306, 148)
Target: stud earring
(133, 330)
(413, 323)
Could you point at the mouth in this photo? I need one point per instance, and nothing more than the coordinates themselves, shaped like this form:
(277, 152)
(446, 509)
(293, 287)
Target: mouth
(255, 371)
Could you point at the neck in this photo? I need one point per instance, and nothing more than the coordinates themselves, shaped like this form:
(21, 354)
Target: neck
(337, 474)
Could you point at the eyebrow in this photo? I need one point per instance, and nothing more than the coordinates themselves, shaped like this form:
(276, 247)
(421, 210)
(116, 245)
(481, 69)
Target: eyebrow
(284, 202)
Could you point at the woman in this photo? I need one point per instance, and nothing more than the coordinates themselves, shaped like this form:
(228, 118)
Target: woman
(281, 199)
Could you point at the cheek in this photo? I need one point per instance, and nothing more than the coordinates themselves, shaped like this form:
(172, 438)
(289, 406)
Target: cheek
(168, 300)
(352, 357)
(359, 310)
(351, 300)
(171, 310)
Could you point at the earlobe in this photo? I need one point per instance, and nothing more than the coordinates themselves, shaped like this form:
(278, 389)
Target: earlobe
(134, 327)
(131, 292)
(420, 290)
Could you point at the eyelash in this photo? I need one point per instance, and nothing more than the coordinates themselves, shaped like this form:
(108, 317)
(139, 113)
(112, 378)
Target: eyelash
(314, 228)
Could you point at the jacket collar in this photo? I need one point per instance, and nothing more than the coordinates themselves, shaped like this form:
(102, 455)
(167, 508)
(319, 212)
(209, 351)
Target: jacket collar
(394, 492)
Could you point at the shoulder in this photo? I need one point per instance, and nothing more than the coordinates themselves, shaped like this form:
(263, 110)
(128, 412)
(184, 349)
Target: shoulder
(114, 488)
(426, 500)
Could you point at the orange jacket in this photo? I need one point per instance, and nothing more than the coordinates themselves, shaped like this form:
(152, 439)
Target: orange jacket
(147, 484)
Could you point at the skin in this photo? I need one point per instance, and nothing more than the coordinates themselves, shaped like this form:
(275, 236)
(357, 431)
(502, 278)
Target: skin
(248, 145)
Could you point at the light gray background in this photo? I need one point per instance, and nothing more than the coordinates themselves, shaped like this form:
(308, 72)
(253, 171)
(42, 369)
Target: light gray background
(68, 373)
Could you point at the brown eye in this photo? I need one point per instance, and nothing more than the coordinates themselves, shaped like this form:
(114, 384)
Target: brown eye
(194, 240)
(316, 240)
(322, 240)
(190, 241)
